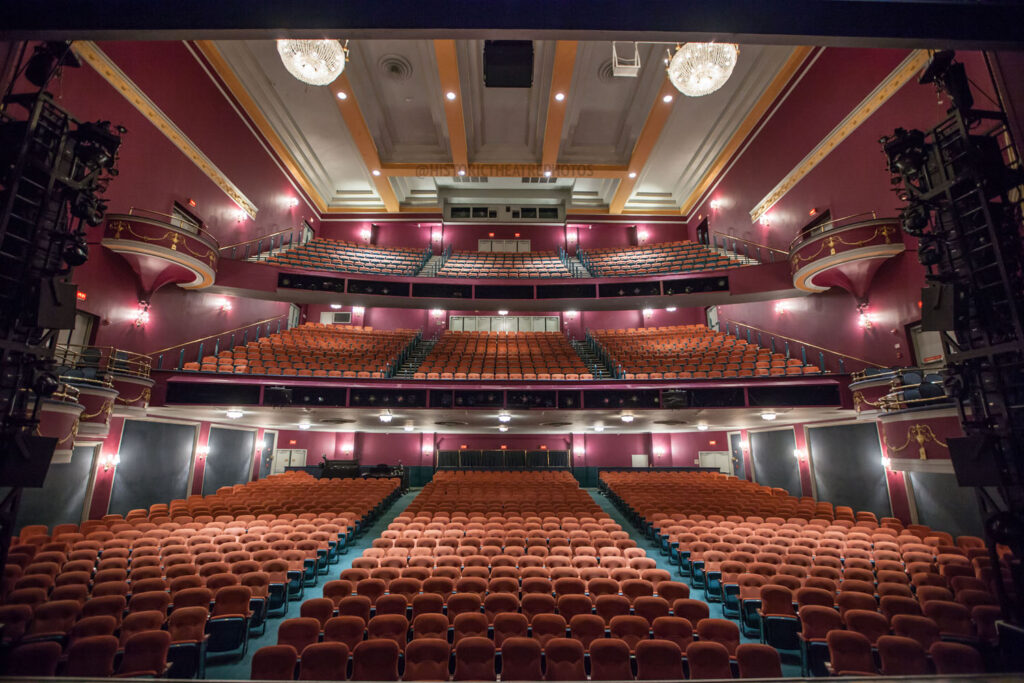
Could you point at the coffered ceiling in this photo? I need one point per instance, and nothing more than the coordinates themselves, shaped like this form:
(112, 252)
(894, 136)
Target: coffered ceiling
(417, 112)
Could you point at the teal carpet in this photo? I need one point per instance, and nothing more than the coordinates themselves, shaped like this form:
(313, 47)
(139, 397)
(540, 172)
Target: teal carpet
(240, 670)
(790, 664)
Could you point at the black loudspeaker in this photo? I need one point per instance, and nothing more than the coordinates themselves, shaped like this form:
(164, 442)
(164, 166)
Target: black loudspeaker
(508, 63)
(28, 461)
(277, 396)
(942, 306)
(976, 460)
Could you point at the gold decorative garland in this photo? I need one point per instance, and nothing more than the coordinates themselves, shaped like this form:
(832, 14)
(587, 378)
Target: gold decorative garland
(858, 399)
(107, 407)
(922, 434)
(69, 436)
(144, 396)
(120, 226)
(885, 230)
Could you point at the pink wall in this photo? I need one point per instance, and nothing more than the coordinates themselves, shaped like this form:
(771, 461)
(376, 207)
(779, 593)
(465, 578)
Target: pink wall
(598, 235)
(389, 449)
(333, 445)
(453, 442)
(684, 446)
(850, 180)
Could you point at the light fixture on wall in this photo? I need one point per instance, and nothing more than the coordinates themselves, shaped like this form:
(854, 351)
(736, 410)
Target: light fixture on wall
(234, 413)
(648, 312)
(108, 460)
(386, 417)
(315, 62)
(626, 417)
(570, 314)
(202, 452)
(798, 454)
(358, 310)
(559, 96)
(428, 449)
(769, 415)
(765, 220)
(225, 304)
(698, 69)
(702, 426)
(886, 462)
(436, 312)
(142, 314)
(781, 307)
(715, 204)
(864, 319)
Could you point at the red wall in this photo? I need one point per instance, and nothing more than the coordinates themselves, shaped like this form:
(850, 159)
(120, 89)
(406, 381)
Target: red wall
(852, 179)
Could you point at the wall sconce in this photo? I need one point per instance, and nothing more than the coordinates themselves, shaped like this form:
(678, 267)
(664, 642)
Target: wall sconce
(358, 310)
(579, 451)
(240, 215)
(781, 307)
(864, 319)
(715, 204)
(225, 304)
(142, 314)
(765, 220)
(641, 235)
(428, 449)
(108, 460)
(293, 202)
(437, 312)
(744, 445)
(798, 454)
(365, 234)
(886, 462)
(570, 314)
(203, 451)
(648, 312)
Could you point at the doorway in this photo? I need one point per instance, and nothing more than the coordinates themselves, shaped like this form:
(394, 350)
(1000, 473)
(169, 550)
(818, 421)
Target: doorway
(720, 460)
(711, 316)
(295, 457)
(739, 467)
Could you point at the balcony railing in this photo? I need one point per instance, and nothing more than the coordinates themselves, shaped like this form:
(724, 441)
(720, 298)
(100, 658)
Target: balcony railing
(262, 247)
(747, 249)
(827, 360)
(98, 363)
(175, 357)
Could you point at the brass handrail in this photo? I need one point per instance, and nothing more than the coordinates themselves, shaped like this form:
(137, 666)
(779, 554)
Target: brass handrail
(172, 221)
(755, 244)
(220, 334)
(261, 237)
(798, 341)
(827, 226)
(109, 360)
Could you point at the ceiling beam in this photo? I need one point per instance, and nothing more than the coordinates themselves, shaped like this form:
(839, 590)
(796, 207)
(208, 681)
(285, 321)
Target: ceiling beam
(754, 116)
(230, 79)
(495, 169)
(363, 140)
(645, 142)
(448, 71)
(561, 80)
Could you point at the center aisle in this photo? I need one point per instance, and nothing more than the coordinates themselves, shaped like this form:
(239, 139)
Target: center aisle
(789, 668)
(240, 670)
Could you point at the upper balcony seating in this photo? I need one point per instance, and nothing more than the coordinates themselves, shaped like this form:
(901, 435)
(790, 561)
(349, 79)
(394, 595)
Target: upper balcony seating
(503, 355)
(536, 264)
(316, 350)
(690, 352)
(347, 257)
(668, 257)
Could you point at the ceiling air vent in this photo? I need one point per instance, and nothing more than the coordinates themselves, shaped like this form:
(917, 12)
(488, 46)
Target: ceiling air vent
(451, 423)
(336, 421)
(671, 423)
(540, 181)
(469, 179)
(556, 424)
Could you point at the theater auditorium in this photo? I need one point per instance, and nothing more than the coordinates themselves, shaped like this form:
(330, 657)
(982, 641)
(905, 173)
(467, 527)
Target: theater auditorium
(506, 342)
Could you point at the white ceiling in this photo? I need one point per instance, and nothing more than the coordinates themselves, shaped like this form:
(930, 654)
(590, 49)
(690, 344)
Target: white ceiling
(485, 421)
(398, 90)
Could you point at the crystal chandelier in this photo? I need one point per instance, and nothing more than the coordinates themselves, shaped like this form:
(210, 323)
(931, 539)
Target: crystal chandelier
(316, 62)
(698, 69)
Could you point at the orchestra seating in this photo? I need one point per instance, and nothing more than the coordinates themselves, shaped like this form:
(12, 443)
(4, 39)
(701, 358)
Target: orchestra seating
(485, 264)
(316, 350)
(204, 572)
(795, 571)
(668, 257)
(347, 257)
(689, 351)
(503, 355)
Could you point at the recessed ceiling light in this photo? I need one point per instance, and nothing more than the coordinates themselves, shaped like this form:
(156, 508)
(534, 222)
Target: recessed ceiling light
(504, 417)
(559, 96)
(632, 174)
(450, 95)
(375, 171)
(627, 418)
(671, 309)
(702, 426)
(336, 306)
(502, 428)
(303, 426)
(342, 95)
(598, 428)
(409, 428)
(234, 414)
(666, 98)
(768, 415)
(385, 417)
(547, 174)
(462, 172)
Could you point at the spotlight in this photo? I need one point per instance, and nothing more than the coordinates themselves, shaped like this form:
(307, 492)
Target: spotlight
(234, 413)
(768, 415)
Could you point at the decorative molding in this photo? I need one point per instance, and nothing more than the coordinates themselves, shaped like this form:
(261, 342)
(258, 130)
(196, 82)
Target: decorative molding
(105, 67)
(864, 110)
(645, 142)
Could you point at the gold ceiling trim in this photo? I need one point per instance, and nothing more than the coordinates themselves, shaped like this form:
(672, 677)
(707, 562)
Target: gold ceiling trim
(105, 67)
(914, 62)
